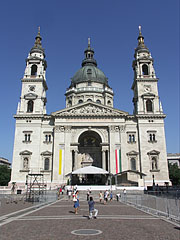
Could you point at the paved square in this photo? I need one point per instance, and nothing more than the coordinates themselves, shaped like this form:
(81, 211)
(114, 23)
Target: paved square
(115, 221)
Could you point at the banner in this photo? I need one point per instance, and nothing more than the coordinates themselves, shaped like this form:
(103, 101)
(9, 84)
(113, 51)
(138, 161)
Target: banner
(61, 161)
(118, 160)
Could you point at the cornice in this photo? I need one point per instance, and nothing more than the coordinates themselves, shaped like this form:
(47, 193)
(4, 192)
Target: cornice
(32, 116)
(32, 79)
(144, 80)
(152, 116)
(90, 110)
(90, 116)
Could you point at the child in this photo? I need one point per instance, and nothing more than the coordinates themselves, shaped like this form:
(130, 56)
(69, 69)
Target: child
(92, 209)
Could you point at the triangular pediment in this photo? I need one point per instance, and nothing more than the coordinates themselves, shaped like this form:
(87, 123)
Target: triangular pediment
(153, 152)
(25, 152)
(132, 153)
(46, 153)
(30, 96)
(89, 109)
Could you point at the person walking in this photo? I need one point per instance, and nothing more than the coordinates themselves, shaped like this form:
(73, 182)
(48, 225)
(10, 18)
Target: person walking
(124, 193)
(76, 202)
(106, 194)
(92, 209)
(88, 193)
(100, 196)
(111, 196)
(69, 194)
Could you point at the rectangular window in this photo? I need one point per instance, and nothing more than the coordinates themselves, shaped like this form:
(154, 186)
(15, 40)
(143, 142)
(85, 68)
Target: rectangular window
(152, 136)
(131, 137)
(27, 136)
(25, 163)
(46, 164)
(48, 137)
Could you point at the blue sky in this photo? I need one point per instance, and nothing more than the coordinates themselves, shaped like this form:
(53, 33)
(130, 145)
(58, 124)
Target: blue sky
(65, 28)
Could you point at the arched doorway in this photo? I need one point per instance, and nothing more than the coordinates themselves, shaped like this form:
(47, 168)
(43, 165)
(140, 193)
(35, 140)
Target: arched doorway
(89, 154)
(90, 147)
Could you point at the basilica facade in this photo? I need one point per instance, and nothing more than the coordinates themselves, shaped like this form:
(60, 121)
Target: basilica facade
(89, 130)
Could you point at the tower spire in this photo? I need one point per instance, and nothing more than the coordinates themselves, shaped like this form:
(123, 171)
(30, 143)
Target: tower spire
(89, 43)
(38, 37)
(140, 37)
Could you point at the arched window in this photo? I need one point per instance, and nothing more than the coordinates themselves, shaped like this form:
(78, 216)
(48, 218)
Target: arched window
(149, 105)
(34, 70)
(89, 71)
(30, 106)
(133, 164)
(98, 101)
(145, 69)
(69, 103)
(109, 102)
(26, 138)
(29, 137)
(80, 101)
(133, 138)
(25, 163)
(89, 100)
(46, 164)
(154, 163)
(46, 138)
(150, 137)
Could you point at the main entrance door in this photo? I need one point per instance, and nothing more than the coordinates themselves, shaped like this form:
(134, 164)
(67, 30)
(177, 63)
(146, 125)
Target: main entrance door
(90, 146)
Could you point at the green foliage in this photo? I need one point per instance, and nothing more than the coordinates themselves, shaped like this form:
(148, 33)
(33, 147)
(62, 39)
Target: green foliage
(5, 175)
(174, 174)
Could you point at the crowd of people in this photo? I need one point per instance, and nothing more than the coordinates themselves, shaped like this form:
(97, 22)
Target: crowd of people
(104, 197)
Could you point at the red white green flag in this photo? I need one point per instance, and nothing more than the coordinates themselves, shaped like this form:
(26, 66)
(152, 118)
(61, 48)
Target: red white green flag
(118, 160)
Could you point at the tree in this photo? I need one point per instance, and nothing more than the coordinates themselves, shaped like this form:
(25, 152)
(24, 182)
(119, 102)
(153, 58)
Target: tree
(174, 174)
(5, 175)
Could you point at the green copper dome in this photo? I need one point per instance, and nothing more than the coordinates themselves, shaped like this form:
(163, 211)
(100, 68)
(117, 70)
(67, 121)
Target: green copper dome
(89, 71)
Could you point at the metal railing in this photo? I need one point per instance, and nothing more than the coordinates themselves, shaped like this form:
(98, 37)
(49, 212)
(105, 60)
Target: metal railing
(161, 206)
(49, 196)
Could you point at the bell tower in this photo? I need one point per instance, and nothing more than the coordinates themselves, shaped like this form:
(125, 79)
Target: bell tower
(34, 87)
(146, 98)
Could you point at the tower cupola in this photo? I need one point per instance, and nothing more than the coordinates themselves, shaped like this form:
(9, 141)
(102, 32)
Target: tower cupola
(141, 46)
(37, 48)
(89, 56)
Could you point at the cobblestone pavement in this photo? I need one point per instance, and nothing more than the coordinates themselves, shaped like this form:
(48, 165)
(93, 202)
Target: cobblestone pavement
(7, 206)
(115, 221)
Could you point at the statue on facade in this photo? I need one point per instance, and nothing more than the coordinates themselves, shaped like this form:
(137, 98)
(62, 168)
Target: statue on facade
(87, 160)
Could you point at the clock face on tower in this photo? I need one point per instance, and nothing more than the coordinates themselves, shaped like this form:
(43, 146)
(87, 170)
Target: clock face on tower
(32, 88)
(147, 88)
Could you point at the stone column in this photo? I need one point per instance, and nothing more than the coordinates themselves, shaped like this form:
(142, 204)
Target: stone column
(76, 159)
(108, 161)
(104, 159)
